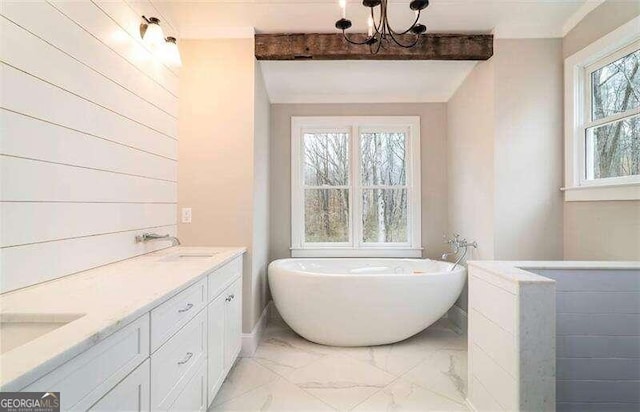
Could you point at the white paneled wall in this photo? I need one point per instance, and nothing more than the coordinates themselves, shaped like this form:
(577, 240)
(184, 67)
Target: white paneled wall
(88, 137)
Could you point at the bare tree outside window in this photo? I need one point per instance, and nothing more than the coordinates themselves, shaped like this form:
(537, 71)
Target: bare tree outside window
(384, 193)
(613, 149)
(326, 196)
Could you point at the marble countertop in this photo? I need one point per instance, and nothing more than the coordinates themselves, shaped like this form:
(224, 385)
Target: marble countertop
(518, 271)
(108, 297)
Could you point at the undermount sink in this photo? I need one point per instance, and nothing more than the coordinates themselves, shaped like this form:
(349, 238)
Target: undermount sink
(188, 256)
(16, 329)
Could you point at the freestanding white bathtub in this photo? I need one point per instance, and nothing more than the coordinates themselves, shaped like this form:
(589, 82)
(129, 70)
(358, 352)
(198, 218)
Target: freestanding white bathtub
(363, 302)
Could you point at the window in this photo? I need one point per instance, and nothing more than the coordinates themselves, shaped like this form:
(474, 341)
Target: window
(353, 181)
(612, 129)
(602, 84)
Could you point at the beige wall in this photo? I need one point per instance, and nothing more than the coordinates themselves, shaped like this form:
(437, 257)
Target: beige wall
(262, 110)
(504, 152)
(601, 230)
(222, 156)
(433, 147)
(470, 158)
(529, 146)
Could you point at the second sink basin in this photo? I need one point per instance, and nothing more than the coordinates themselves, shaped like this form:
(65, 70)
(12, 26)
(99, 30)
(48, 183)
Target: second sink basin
(16, 329)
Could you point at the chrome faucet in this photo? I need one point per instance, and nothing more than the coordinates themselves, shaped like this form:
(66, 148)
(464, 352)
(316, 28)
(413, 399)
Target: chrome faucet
(145, 237)
(457, 244)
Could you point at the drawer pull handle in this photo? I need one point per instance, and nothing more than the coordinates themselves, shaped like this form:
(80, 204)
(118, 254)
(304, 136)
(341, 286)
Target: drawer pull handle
(186, 358)
(230, 297)
(186, 308)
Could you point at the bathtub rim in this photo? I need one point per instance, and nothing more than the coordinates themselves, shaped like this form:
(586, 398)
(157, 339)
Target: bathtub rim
(460, 270)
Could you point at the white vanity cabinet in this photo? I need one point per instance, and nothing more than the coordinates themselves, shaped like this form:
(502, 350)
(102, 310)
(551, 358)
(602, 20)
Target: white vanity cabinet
(233, 323)
(86, 378)
(131, 394)
(224, 323)
(172, 358)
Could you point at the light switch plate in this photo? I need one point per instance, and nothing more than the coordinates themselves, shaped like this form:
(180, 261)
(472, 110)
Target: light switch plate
(186, 215)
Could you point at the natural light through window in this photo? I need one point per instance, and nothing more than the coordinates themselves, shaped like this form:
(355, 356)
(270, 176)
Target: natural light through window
(602, 118)
(352, 186)
(613, 133)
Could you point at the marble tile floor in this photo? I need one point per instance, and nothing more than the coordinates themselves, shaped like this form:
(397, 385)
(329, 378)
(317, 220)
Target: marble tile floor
(288, 373)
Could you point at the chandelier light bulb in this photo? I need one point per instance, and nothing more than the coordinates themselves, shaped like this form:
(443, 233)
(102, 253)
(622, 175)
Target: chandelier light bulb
(370, 26)
(343, 6)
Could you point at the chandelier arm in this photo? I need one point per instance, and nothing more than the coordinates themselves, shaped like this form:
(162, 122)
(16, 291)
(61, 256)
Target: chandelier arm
(376, 45)
(376, 27)
(406, 46)
(409, 29)
(354, 42)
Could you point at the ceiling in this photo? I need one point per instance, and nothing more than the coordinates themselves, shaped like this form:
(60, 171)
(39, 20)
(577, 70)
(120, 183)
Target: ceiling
(368, 81)
(506, 18)
(363, 81)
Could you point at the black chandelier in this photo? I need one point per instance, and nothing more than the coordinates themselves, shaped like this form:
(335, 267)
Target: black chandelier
(381, 31)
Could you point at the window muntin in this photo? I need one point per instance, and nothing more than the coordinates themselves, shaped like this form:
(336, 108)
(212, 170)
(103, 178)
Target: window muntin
(611, 131)
(353, 180)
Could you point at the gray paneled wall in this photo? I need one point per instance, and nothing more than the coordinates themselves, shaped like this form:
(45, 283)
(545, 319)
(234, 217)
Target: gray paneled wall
(88, 138)
(598, 339)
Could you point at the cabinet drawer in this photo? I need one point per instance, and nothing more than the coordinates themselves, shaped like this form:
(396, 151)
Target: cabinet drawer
(173, 365)
(194, 395)
(89, 376)
(173, 314)
(222, 277)
(132, 394)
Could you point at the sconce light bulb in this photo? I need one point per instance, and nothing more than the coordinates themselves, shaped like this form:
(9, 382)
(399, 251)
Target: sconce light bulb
(153, 35)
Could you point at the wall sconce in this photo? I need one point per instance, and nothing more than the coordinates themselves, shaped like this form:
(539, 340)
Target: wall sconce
(153, 36)
(171, 52)
(151, 32)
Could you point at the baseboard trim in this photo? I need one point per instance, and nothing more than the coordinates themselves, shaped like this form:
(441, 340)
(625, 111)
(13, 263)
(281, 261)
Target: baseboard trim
(458, 318)
(251, 340)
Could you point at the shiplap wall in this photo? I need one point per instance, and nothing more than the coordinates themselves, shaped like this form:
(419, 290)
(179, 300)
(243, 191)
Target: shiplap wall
(598, 339)
(88, 137)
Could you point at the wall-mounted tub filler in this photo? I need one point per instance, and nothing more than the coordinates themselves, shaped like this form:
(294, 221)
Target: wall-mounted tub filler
(458, 245)
(145, 237)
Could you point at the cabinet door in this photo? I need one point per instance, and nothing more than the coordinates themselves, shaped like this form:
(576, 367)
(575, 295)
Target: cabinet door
(131, 394)
(194, 395)
(215, 344)
(233, 322)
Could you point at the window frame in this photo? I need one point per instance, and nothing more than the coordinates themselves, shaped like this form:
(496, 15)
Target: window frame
(578, 117)
(356, 246)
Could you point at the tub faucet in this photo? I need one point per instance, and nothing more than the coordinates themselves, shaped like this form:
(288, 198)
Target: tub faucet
(458, 244)
(145, 237)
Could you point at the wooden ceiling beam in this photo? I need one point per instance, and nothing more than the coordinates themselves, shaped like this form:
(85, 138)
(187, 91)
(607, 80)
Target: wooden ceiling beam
(322, 46)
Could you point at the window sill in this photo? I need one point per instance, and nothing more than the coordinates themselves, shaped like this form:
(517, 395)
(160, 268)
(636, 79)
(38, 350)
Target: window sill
(625, 191)
(364, 252)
